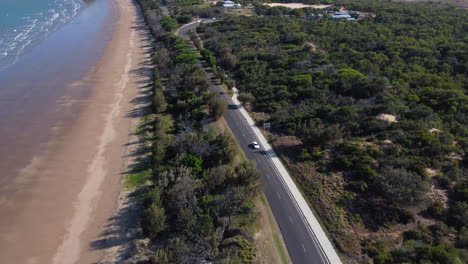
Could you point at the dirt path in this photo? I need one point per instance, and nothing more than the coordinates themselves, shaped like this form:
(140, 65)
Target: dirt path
(65, 208)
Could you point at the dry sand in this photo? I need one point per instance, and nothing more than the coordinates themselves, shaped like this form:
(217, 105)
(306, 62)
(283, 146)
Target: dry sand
(69, 193)
(296, 5)
(387, 117)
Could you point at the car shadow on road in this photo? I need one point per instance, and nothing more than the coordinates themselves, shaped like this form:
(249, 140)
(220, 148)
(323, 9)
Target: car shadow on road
(233, 107)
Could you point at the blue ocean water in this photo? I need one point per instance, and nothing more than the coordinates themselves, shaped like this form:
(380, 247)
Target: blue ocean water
(24, 23)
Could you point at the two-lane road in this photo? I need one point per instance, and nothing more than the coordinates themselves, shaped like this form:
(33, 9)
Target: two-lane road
(301, 245)
(299, 239)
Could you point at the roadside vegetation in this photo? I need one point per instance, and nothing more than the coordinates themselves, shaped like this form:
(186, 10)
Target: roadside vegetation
(199, 198)
(370, 117)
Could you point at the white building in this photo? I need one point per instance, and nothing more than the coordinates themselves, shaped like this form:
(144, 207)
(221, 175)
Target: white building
(231, 4)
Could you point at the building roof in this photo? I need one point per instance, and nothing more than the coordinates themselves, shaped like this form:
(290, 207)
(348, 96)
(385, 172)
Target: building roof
(340, 16)
(231, 4)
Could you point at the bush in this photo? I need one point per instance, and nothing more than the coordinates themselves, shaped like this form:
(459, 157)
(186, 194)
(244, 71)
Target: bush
(462, 240)
(159, 102)
(402, 186)
(187, 57)
(226, 149)
(376, 215)
(184, 19)
(161, 257)
(458, 215)
(301, 80)
(421, 233)
(380, 252)
(246, 97)
(315, 133)
(460, 191)
(153, 220)
(418, 252)
(168, 23)
(437, 209)
(438, 254)
(195, 39)
(194, 163)
(217, 108)
(247, 252)
(152, 4)
(209, 57)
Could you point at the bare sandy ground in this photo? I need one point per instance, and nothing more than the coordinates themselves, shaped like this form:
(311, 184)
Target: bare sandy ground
(296, 5)
(69, 194)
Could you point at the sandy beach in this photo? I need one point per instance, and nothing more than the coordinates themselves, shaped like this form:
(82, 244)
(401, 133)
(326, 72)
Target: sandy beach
(68, 193)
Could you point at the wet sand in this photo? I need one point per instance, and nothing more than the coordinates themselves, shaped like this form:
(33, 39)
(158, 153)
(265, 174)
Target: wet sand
(64, 199)
(41, 93)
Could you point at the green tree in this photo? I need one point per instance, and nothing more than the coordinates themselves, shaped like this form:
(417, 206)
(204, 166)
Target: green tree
(194, 163)
(208, 56)
(188, 57)
(184, 19)
(458, 215)
(301, 80)
(226, 148)
(153, 220)
(246, 97)
(168, 23)
(161, 257)
(248, 175)
(159, 102)
(217, 108)
(402, 186)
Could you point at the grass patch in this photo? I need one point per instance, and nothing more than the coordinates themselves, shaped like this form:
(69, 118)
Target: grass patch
(246, 222)
(134, 180)
(280, 248)
(169, 122)
(240, 12)
(140, 172)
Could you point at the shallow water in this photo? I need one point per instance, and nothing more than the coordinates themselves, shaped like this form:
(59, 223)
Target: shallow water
(24, 23)
(40, 93)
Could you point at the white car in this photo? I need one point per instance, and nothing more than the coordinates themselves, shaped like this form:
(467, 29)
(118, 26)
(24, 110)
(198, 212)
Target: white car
(254, 145)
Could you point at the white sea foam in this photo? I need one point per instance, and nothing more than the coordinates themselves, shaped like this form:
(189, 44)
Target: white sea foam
(37, 26)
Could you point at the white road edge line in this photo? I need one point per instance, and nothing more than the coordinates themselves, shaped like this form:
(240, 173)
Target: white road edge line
(314, 227)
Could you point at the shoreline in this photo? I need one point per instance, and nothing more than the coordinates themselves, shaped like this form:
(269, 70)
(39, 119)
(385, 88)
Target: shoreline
(64, 212)
(42, 95)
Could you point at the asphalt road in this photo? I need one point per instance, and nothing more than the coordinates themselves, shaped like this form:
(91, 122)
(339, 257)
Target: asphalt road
(300, 243)
(185, 29)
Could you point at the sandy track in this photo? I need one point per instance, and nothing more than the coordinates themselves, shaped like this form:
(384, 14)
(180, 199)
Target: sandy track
(70, 192)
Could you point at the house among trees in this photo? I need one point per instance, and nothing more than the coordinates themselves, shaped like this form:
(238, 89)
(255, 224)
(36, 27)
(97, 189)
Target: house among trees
(231, 4)
(335, 15)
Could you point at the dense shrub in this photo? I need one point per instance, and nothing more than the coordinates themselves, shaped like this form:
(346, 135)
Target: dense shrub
(184, 19)
(168, 23)
(217, 108)
(401, 186)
